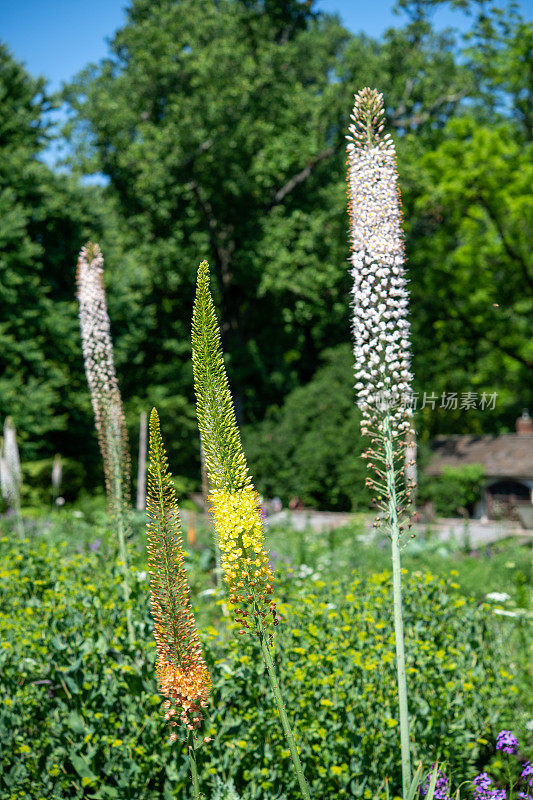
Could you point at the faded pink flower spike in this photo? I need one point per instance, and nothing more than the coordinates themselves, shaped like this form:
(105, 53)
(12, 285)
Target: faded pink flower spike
(380, 296)
(97, 348)
(107, 403)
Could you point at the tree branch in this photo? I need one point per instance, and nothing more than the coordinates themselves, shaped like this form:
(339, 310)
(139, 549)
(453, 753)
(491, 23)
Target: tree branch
(417, 119)
(221, 243)
(402, 108)
(302, 176)
(202, 148)
(495, 342)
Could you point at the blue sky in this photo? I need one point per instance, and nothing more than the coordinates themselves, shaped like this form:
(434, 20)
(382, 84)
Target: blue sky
(56, 38)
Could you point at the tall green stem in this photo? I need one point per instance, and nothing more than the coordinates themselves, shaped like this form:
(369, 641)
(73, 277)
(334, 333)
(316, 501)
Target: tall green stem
(398, 616)
(18, 514)
(284, 719)
(194, 767)
(125, 582)
(121, 531)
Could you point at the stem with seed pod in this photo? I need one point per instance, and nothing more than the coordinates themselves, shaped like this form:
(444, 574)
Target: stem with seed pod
(121, 511)
(110, 423)
(10, 473)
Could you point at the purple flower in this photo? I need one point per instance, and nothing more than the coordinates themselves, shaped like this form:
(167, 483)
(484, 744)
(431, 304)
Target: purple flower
(482, 782)
(527, 772)
(441, 786)
(482, 790)
(524, 796)
(95, 545)
(272, 560)
(507, 742)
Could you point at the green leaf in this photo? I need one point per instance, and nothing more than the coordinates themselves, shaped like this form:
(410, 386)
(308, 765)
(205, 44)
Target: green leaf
(75, 722)
(414, 783)
(433, 782)
(81, 767)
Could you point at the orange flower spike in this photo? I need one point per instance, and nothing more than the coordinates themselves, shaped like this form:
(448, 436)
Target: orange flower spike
(182, 676)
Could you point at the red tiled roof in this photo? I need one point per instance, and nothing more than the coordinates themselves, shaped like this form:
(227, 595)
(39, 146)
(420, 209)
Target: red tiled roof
(507, 456)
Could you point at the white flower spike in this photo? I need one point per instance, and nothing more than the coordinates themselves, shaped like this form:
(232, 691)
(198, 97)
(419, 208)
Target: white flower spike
(381, 344)
(380, 296)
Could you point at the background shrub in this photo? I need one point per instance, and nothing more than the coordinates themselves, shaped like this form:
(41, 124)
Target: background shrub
(457, 490)
(311, 446)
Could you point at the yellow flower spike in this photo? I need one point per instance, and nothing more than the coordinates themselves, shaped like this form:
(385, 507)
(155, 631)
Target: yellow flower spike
(245, 563)
(182, 676)
(234, 502)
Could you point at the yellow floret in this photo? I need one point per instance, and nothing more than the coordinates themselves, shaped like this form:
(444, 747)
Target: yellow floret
(239, 530)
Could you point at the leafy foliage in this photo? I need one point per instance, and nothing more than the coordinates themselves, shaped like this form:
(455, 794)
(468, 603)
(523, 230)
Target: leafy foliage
(207, 148)
(43, 217)
(220, 127)
(472, 273)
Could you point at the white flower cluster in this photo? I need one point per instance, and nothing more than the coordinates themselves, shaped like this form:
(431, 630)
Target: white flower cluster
(97, 347)
(380, 296)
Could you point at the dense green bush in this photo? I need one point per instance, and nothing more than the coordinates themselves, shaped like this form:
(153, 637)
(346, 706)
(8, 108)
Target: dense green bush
(80, 717)
(310, 448)
(455, 491)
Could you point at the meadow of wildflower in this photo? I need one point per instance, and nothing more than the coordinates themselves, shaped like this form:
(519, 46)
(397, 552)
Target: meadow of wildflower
(81, 715)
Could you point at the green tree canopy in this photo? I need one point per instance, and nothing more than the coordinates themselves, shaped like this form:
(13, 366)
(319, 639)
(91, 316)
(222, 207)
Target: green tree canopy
(220, 127)
(472, 271)
(44, 217)
(311, 447)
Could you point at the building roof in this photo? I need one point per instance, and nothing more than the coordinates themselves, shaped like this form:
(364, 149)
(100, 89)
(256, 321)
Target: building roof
(507, 456)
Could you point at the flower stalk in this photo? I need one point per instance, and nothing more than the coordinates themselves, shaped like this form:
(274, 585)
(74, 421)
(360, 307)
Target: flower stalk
(381, 345)
(234, 502)
(182, 676)
(11, 473)
(57, 476)
(109, 417)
